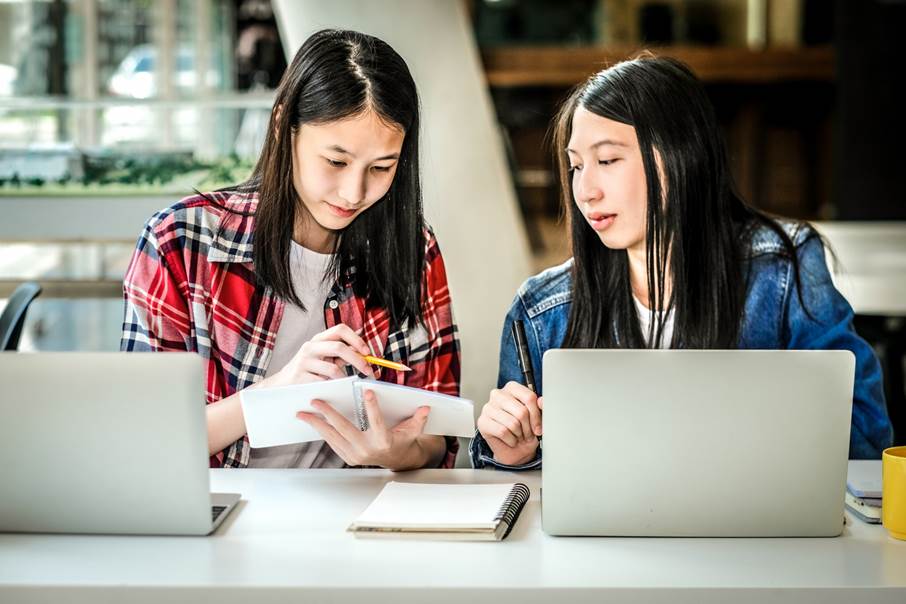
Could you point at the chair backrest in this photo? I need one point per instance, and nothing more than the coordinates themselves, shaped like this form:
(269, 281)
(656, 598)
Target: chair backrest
(13, 316)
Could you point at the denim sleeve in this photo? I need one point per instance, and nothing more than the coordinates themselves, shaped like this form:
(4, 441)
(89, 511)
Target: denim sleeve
(479, 451)
(826, 323)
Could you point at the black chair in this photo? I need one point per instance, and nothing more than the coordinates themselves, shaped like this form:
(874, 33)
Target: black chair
(13, 316)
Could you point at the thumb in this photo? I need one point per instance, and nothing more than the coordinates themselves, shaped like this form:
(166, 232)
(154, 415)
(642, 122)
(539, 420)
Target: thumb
(416, 423)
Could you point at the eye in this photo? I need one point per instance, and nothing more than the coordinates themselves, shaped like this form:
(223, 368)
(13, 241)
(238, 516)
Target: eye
(607, 162)
(335, 163)
(574, 169)
(381, 168)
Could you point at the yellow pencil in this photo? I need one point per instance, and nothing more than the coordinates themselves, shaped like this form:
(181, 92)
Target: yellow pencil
(385, 363)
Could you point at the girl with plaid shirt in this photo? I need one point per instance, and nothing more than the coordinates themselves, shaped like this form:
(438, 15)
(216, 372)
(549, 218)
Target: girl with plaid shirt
(322, 256)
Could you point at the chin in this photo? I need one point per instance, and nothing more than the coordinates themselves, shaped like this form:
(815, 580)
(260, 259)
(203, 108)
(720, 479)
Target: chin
(334, 223)
(614, 241)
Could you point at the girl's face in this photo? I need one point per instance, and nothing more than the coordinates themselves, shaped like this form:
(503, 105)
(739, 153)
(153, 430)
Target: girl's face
(608, 179)
(342, 168)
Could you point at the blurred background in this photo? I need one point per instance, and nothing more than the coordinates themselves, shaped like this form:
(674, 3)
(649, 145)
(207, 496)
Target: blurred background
(113, 109)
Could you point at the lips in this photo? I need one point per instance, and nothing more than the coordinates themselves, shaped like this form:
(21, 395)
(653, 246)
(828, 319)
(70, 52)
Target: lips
(339, 211)
(600, 220)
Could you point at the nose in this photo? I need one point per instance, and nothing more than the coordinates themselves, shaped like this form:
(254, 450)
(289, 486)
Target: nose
(352, 188)
(585, 187)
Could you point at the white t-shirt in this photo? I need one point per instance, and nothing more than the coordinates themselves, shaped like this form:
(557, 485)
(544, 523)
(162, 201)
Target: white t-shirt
(645, 322)
(298, 326)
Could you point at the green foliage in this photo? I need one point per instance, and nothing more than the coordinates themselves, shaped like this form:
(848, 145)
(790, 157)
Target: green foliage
(151, 170)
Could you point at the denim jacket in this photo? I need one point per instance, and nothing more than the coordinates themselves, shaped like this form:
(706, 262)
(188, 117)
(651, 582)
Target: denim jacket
(774, 318)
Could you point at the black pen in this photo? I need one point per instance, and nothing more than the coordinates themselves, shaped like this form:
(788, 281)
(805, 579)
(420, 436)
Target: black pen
(522, 354)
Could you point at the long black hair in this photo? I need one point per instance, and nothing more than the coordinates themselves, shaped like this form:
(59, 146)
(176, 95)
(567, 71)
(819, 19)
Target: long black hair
(339, 74)
(698, 229)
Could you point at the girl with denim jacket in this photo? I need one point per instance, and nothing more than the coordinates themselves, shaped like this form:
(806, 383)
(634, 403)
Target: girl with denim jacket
(666, 255)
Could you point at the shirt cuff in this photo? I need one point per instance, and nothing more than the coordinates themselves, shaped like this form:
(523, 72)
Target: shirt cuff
(482, 457)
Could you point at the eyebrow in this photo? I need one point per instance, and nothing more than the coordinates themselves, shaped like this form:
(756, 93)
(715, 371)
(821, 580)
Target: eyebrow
(602, 143)
(340, 149)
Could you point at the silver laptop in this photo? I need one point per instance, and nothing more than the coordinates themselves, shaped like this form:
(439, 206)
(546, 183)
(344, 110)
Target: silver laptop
(695, 443)
(105, 443)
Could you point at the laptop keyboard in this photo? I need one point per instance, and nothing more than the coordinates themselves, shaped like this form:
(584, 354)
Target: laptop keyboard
(216, 511)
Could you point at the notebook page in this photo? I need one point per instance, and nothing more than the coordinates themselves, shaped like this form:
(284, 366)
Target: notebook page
(270, 413)
(449, 416)
(416, 505)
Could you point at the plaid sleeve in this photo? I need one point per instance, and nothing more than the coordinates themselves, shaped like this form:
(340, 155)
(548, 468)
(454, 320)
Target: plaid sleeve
(156, 315)
(436, 366)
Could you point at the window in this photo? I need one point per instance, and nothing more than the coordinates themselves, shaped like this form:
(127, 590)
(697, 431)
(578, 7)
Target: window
(117, 108)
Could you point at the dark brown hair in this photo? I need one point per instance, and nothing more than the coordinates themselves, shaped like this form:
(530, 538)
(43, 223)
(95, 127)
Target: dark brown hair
(698, 228)
(338, 74)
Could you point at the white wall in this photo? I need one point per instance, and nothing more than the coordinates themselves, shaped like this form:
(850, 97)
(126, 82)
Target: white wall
(469, 196)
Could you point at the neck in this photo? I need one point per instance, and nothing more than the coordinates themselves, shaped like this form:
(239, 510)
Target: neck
(638, 276)
(311, 235)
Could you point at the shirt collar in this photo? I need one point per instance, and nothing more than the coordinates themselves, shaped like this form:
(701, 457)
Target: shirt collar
(233, 239)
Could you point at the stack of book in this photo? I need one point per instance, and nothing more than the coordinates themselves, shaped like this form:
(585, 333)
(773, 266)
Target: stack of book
(863, 489)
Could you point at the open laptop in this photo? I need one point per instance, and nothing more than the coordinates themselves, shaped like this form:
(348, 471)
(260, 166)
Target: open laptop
(105, 443)
(696, 443)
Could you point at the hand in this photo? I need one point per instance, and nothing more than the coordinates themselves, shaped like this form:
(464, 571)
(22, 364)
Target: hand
(324, 357)
(510, 422)
(396, 448)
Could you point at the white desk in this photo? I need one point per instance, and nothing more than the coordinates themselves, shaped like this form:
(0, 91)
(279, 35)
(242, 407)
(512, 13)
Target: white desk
(286, 542)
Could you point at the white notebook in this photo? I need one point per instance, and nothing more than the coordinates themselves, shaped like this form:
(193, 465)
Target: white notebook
(270, 413)
(863, 478)
(481, 512)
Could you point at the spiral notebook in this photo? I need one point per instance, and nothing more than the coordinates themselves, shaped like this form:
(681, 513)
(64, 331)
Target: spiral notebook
(270, 413)
(469, 512)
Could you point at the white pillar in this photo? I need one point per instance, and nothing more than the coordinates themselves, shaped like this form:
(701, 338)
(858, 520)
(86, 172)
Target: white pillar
(206, 142)
(165, 68)
(469, 196)
(87, 87)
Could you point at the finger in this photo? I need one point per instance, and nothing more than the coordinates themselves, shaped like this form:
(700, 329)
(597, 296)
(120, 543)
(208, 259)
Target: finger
(333, 438)
(528, 398)
(341, 424)
(322, 368)
(414, 426)
(520, 392)
(509, 423)
(342, 365)
(491, 429)
(343, 332)
(375, 417)
(521, 413)
(541, 403)
(504, 400)
(341, 350)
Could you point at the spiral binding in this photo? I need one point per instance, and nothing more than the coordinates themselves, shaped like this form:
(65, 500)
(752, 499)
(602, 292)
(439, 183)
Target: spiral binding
(512, 506)
(361, 416)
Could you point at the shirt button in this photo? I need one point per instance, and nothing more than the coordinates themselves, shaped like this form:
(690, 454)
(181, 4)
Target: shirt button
(333, 304)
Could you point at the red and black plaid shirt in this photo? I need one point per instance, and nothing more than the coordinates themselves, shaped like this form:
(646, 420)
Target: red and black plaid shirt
(191, 287)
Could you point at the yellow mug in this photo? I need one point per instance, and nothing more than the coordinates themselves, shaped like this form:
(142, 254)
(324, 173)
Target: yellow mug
(893, 485)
